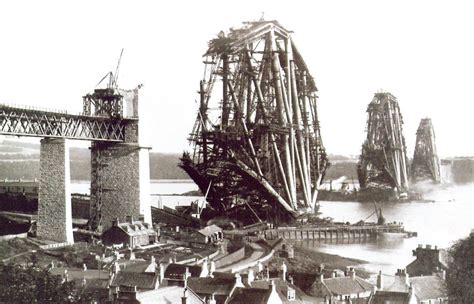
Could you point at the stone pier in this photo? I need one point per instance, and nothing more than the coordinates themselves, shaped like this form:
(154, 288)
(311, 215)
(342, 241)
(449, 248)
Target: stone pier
(120, 178)
(54, 199)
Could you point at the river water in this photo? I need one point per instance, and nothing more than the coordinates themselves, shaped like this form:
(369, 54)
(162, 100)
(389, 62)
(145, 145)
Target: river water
(439, 223)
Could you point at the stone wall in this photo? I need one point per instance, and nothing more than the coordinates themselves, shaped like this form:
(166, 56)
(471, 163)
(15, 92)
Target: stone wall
(54, 199)
(115, 182)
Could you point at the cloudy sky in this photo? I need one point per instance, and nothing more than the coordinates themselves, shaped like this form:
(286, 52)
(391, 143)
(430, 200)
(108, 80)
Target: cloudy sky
(53, 52)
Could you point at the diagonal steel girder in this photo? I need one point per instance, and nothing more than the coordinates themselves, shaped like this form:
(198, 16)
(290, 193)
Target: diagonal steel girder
(36, 123)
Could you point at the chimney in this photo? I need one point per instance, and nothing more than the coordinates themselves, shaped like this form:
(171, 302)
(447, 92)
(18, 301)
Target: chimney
(238, 280)
(84, 281)
(428, 246)
(321, 277)
(321, 268)
(442, 274)
(250, 277)
(212, 268)
(129, 219)
(205, 269)
(177, 229)
(290, 278)
(115, 222)
(132, 255)
(272, 286)
(84, 267)
(283, 271)
(352, 273)
(141, 218)
(380, 281)
(115, 268)
(184, 298)
(211, 300)
(161, 277)
(333, 274)
(267, 273)
(259, 266)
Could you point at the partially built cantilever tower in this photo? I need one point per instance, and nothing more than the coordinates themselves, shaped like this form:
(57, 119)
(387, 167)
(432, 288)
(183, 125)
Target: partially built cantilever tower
(425, 165)
(383, 162)
(257, 148)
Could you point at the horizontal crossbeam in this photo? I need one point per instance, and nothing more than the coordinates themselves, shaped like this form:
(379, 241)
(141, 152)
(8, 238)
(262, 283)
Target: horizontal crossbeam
(37, 123)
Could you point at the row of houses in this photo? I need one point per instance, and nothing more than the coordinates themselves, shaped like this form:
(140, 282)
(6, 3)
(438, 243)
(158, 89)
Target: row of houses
(142, 281)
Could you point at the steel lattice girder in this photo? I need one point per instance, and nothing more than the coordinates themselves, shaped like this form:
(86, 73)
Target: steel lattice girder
(25, 122)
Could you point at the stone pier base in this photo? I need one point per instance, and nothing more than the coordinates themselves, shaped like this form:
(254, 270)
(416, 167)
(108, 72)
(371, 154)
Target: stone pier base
(54, 199)
(120, 181)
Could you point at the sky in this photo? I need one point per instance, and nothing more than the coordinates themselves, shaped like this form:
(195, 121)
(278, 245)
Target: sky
(54, 52)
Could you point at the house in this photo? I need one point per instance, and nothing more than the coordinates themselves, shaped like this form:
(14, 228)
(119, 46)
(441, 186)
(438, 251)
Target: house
(392, 297)
(429, 289)
(283, 249)
(23, 187)
(217, 288)
(176, 274)
(247, 295)
(210, 234)
(428, 260)
(168, 294)
(341, 289)
(131, 234)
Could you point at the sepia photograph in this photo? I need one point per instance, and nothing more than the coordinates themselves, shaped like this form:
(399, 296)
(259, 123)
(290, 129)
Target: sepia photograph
(237, 152)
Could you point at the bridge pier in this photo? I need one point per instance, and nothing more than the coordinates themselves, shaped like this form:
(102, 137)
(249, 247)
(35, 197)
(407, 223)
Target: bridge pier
(120, 178)
(54, 199)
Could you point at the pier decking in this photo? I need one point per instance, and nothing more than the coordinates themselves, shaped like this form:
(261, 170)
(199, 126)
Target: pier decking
(333, 232)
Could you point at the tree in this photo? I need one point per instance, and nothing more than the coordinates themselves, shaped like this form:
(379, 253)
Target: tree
(33, 285)
(460, 279)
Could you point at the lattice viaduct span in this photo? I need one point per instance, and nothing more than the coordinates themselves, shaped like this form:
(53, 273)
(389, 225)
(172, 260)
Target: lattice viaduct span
(120, 166)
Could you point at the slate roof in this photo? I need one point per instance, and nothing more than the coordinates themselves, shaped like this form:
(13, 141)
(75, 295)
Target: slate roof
(429, 287)
(347, 285)
(131, 279)
(208, 286)
(136, 228)
(138, 265)
(210, 230)
(169, 294)
(249, 295)
(340, 286)
(79, 274)
(281, 288)
(176, 271)
(392, 297)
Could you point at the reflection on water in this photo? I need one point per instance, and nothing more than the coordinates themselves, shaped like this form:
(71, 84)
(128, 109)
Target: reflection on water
(440, 223)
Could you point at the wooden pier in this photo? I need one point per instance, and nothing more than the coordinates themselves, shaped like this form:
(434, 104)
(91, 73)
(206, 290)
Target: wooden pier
(334, 232)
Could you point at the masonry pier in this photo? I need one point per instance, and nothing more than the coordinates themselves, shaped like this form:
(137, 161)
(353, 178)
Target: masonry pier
(54, 200)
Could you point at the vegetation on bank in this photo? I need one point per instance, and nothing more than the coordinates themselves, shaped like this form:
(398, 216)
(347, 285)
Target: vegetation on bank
(304, 267)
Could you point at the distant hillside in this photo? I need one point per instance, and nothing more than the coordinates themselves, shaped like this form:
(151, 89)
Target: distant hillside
(21, 160)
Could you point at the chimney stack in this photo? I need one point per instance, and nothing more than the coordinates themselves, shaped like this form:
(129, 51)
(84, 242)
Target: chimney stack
(380, 281)
(238, 280)
(250, 277)
(129, 219)
(333, 274)
(141, 218)
(211, 300)
(352, 273)
(115, 222)
(162, 273)
(283, 271)
(184, 298)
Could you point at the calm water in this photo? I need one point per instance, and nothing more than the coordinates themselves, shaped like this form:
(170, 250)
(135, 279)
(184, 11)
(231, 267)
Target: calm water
(441, 223)
(448, 219)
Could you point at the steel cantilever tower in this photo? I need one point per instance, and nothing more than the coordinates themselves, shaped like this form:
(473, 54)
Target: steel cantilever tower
(258, 152)
(425, 164)
(383, 161)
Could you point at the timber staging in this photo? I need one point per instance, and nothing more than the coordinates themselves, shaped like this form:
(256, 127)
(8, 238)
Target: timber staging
(331, 233)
